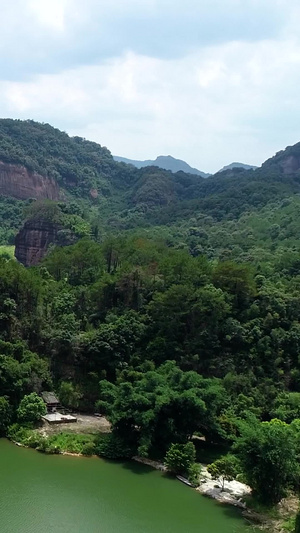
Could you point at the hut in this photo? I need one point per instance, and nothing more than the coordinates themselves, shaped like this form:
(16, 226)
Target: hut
(50, 400)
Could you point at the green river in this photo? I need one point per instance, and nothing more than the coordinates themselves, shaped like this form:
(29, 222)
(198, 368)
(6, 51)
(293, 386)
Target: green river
(59, 494)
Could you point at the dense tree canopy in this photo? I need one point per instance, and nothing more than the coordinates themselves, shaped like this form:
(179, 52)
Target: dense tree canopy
(268, 454)
(174, 310)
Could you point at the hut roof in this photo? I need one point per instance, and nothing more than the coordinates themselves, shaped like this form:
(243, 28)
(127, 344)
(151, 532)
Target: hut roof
(49, 397)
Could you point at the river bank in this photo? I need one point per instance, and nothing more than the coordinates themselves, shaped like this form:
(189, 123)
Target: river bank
(41, 492)
(65, 443)
(234, 493)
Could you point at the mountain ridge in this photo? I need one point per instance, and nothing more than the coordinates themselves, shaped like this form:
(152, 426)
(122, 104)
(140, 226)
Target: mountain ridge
(166, 162)
(112, 197)
(235, 164)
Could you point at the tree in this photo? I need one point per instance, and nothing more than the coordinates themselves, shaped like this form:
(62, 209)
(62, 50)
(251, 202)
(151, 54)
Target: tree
(110, 347)
(237, 280)
(287, 406)
(224, 469)
(113, 446)
(297, 523)
(5, 414)
(21, 371)
(180, 458)
(31, 408)
(69, 396)
(162, 405)
(268, 455)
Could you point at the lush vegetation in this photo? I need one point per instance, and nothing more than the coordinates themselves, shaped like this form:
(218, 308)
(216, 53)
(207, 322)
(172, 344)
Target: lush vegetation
(165, 344)
(181, 459)
(12, 217)
(187, 210)
(57, 443)
(175, 314)
(227, 468)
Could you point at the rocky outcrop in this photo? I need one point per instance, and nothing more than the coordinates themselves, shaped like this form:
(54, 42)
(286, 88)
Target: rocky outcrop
(18, 182)
(34, 239)
(290, 164)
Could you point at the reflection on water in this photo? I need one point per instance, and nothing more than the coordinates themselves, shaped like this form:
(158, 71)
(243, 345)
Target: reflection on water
(59, 494)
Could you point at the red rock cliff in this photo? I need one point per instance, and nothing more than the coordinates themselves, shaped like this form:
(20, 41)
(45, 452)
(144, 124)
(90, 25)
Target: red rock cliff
(18, 182)
(33, 240)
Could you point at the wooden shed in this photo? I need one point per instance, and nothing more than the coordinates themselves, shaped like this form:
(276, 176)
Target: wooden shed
(50, 400)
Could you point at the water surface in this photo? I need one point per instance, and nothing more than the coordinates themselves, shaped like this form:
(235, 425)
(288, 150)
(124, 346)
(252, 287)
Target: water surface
(59, 494)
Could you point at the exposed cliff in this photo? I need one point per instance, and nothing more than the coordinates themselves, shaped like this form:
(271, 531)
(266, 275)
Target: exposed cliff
(18, 182)
(287, 161)
(34, 239)
(47, 224)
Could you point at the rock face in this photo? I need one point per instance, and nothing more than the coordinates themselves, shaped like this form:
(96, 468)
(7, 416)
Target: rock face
(290, 164)
(33, 240)
(18, 182)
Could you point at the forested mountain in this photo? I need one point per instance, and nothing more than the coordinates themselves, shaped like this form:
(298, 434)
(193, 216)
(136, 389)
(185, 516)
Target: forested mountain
(174, 309)
(117, 197)
(237, 165)
(167, 162)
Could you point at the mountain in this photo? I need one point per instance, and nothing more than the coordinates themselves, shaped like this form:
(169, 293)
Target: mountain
(99, 196)
(238, 165)
(286, 161)
(38, 161)
(152, 294)
(166, 162)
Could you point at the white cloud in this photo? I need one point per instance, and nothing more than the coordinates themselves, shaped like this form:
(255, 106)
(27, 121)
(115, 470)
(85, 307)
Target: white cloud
(49, 13)
(47, 36)
(237, 101)
(206, 81)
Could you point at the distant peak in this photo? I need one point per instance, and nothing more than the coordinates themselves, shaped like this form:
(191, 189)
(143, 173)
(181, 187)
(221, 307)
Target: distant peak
(235, 164)
(167, 162)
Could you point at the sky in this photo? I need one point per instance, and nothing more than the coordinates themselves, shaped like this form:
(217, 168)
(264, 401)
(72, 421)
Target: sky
(206, 81)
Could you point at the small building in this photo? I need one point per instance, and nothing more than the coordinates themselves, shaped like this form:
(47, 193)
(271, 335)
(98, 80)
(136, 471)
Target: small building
(50, 400)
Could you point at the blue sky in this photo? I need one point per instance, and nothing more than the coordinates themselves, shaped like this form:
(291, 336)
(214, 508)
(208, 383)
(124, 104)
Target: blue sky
(208, 81)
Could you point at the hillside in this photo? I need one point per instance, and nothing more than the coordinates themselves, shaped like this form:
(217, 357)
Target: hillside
(165, 301)
(39, 161)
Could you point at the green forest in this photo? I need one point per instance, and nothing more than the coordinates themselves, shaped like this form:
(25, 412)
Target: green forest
(176, 313)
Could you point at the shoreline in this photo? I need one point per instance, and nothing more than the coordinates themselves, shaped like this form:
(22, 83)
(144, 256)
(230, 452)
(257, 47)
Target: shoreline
(234, 490)
(232, 495)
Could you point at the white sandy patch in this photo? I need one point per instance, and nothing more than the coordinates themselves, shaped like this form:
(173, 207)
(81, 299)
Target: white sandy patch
(233, 491)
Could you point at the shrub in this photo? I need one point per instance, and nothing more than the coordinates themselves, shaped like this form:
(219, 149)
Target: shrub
(18, 433)
(88, 448)
(180, 458)
(112, 446)
(194, 473)
(31, 408)
(224, 469)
